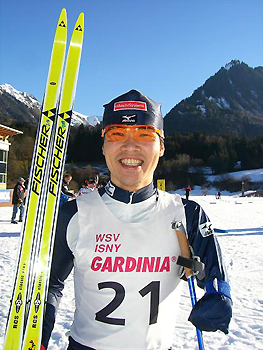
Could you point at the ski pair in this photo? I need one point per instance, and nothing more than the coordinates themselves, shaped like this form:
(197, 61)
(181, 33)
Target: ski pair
(25, 318)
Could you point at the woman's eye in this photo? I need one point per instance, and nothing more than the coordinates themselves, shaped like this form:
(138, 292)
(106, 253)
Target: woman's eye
(117, 133)
(148, 135)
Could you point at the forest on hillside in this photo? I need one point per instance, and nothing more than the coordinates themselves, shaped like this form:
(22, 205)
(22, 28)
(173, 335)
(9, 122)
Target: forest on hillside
(186, 155)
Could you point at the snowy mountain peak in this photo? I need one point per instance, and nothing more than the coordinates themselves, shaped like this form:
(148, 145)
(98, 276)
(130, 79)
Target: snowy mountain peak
(78, 118)
(28, 99)
(33, 104)
(229, 102)
(231, 64)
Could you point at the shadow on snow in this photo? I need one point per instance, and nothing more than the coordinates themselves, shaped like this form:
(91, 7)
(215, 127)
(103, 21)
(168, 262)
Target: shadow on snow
(9, 234)
(257, 231)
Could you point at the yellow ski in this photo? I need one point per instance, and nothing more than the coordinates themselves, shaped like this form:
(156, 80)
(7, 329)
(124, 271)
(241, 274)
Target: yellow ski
(29, 236)
(33, 332)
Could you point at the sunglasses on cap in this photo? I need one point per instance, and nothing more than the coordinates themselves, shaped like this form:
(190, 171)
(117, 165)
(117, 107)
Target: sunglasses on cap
(144, 133)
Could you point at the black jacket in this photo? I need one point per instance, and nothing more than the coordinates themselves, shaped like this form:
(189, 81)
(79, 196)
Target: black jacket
(65, 190)
(18, 194)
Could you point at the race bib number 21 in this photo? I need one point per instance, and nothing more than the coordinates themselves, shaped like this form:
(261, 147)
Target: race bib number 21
(153, 288)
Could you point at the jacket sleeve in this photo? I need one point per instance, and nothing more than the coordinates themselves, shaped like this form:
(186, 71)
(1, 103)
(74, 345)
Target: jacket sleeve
(204, 243)
(62, 264)
(16, 194)
(64, 190)
(214, 310)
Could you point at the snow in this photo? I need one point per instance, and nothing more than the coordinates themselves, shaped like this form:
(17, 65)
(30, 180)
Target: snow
(202, 108)
(254, 93)
(224, 103)
(221, 102)
(239, 227)
(254, 175)
(30, 101)
(232, 64)
(78, 118)
(24, 97)
(94, 119)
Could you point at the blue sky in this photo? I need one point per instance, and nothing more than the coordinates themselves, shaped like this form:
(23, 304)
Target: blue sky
(164, 48)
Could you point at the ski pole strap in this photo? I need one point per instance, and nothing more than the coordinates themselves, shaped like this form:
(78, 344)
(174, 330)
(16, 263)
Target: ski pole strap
(216, 286)
(194, 264)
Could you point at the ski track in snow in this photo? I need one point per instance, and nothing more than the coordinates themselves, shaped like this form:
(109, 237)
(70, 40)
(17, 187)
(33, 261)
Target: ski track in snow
(239, 224)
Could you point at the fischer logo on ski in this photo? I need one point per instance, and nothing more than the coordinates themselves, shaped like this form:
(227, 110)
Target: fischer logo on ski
(79, 28)
(62, 24)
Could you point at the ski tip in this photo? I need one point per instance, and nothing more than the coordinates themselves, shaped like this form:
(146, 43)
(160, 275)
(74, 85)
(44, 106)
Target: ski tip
(80, 22)
(62, 22)
(63, 11)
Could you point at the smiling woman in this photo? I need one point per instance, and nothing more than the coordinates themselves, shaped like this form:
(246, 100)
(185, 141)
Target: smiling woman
(124, 248)
(132, 163)
(132, 143)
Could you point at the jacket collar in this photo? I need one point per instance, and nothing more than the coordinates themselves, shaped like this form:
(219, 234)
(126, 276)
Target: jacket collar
(125, 196)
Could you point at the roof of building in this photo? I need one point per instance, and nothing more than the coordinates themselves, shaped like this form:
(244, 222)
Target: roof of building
(5, 131)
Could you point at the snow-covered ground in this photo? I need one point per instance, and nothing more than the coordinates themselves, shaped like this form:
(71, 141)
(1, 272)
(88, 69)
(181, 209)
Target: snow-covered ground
(254, 175)
(239, 224)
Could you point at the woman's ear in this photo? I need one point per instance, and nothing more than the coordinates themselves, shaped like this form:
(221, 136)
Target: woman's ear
(162, 149)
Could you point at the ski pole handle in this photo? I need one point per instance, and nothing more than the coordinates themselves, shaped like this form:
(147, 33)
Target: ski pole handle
(191, 285)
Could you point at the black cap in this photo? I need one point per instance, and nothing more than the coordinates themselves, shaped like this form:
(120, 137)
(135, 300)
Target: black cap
(133, 108)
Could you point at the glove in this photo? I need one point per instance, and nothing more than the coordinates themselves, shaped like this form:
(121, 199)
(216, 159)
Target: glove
(214, 310)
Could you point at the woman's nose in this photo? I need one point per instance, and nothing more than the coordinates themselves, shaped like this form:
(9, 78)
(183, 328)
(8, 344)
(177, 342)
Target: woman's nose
(130, 142)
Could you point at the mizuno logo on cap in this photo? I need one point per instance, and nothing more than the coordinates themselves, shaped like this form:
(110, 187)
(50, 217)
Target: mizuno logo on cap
(123, 105)
(129, 118)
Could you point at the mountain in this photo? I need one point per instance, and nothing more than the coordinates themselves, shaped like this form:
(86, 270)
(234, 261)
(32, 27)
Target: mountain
(18, 106)
(79, 118)
(229, 102)
(24, 107)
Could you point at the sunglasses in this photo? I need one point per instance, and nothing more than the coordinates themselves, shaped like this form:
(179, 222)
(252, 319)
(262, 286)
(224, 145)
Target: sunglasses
(144, 133)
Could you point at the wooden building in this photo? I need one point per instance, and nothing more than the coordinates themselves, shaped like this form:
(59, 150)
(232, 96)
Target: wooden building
(5, 132)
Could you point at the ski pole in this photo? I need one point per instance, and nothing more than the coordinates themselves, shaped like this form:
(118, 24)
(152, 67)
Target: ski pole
(191, 266)
(191, 285)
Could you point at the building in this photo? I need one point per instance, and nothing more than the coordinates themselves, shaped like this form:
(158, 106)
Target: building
(5, 132)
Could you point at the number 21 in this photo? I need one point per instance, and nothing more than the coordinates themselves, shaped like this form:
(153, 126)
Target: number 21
(153, 288)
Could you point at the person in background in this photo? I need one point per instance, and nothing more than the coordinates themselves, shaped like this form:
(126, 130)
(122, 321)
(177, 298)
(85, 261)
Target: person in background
(65, 193)
(18, 200)
(93, 182)
(122, 244)
(84, 188)
(89, 185)
(187, 191)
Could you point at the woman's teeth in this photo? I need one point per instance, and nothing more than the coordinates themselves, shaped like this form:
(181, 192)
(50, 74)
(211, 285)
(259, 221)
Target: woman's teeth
(131, 162)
